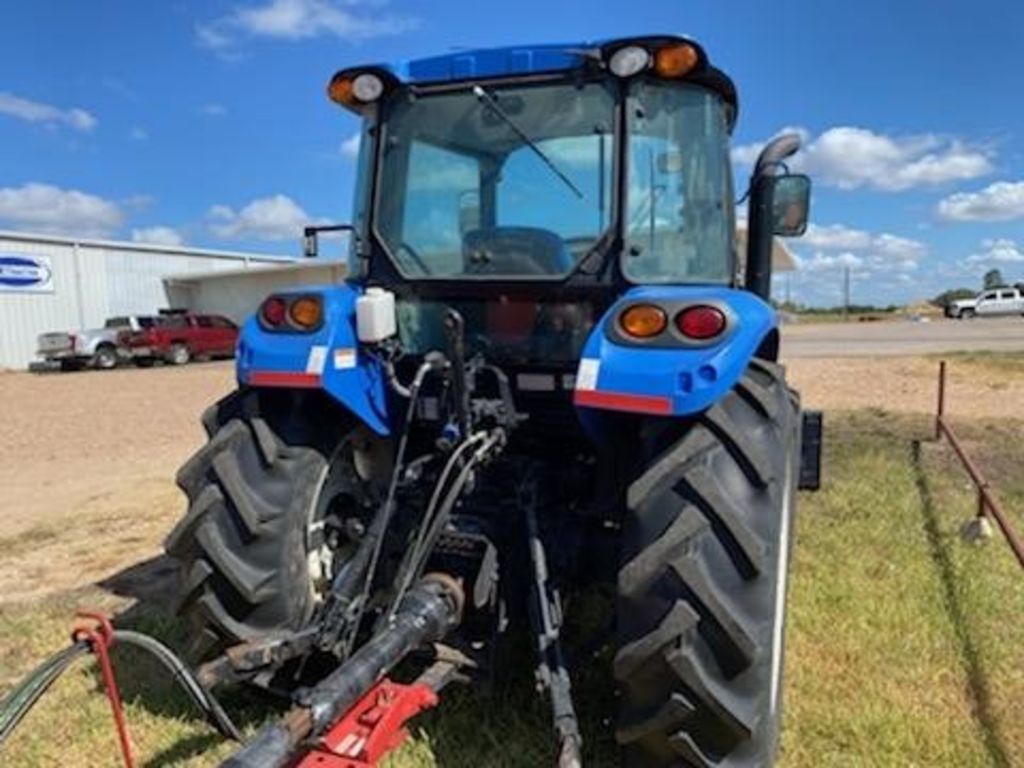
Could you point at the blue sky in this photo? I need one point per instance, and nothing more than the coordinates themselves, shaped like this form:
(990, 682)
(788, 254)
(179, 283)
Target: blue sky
(205, 122)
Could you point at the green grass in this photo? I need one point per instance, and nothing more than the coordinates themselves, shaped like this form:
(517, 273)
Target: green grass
(903, 641)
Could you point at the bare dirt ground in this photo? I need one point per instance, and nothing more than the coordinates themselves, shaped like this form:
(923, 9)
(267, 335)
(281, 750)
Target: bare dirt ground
(87, 464)
(87, 460)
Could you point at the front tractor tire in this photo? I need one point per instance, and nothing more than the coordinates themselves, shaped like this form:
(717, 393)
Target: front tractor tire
(702, 586)
(250, 546)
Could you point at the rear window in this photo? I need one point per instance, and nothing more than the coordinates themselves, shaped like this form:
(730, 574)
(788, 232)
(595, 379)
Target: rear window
(118, 322)
(150, 322)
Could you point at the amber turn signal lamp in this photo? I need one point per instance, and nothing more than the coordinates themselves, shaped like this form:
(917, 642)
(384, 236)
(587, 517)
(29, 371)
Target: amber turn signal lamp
(643, 321)
(306, 312)
(340, 91)
(675, 60)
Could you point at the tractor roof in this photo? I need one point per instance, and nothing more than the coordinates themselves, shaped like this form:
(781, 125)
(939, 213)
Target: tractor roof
(545, 58)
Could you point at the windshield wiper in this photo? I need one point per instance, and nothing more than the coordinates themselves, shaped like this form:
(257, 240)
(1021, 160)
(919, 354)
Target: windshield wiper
(492, 102)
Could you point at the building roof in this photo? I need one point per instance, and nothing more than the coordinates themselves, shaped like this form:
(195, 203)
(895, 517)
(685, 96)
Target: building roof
(123, 245)
(294, 267)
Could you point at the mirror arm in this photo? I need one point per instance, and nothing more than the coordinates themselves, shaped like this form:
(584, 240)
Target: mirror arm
(310, 236)
(758, 278)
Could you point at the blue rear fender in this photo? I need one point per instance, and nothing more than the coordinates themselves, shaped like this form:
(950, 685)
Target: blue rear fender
(671, 379)
(329, 358)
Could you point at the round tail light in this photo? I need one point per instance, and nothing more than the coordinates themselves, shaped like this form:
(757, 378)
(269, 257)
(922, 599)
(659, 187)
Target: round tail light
(701, 322)
(274, 311)
(306, 312)
(643, 321)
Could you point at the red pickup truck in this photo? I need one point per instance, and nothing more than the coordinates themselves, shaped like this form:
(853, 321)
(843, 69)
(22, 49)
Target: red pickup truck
(181, 337)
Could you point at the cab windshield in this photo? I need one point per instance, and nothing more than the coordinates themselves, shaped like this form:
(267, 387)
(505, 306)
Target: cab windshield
(519, 181)
(503, 181)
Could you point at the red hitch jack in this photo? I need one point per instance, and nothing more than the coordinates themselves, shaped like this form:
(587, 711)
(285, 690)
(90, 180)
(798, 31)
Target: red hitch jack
(372, 728)
(95, 629)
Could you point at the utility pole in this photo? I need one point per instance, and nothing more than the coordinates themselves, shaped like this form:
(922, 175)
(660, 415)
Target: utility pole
(846, 294)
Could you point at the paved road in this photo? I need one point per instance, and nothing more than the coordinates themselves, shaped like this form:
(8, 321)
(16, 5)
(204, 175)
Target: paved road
(901, 338)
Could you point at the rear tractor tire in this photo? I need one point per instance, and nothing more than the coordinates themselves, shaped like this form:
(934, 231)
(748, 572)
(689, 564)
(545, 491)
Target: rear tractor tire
(262, 535)
(702, 587)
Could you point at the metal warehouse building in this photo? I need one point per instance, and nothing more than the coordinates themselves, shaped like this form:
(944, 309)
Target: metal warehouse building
(50, 283)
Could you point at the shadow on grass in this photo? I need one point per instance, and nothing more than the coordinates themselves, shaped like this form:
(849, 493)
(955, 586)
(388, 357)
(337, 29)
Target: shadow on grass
(184, 749)
(977, 684)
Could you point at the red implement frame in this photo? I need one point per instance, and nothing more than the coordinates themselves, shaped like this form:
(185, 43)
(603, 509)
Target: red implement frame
(97, 630)
(372, 728)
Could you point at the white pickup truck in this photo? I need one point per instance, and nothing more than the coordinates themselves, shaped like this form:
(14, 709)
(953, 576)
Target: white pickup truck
(996, 302)
(96, 347)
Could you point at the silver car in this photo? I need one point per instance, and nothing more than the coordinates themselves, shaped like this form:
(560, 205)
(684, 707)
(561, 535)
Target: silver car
(95, 348)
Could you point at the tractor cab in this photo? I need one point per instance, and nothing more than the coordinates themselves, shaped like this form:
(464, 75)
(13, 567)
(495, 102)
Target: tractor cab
(532, 186)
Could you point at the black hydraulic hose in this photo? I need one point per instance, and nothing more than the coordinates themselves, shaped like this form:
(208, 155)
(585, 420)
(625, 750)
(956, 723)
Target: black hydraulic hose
(355, 579)
(19, 702)
(185, 678)
(443, 512)
(410, 567)
(427, 613)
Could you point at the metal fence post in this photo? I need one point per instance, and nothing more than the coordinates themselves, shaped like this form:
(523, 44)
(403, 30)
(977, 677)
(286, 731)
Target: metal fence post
(941, 409)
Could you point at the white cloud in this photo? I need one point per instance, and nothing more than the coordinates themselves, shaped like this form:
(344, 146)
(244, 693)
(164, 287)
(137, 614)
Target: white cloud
(849, 157)
(37, 112)
(138, 134)
(158, 236)
(267, 218)
(350, 146)
(821, 262)
(214, 110)
(1001, 201)
(46, 208)
(836, 236)
(882, 247)
(300, 19)
(1002, 250)
(901, 248)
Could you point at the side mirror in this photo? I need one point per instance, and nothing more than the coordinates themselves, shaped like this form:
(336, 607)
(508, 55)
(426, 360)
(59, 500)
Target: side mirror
(791, 203)
(310, 247)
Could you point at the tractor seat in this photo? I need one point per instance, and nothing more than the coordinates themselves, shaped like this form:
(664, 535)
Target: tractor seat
(514, 251)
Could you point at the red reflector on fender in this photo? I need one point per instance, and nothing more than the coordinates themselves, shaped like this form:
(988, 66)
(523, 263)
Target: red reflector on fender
(284, 379)
(618, 401)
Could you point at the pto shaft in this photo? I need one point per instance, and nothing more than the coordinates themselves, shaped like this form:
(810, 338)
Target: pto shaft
(426, 614)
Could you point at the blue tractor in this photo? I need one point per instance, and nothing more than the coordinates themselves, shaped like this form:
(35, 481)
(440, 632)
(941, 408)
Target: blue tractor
(550, 370)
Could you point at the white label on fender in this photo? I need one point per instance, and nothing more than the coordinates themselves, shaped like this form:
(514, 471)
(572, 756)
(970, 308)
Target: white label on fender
(344, 359)
(317, 359)
(586, 376)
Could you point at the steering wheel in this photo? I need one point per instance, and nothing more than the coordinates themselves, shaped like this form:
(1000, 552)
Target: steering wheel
(403, 246)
